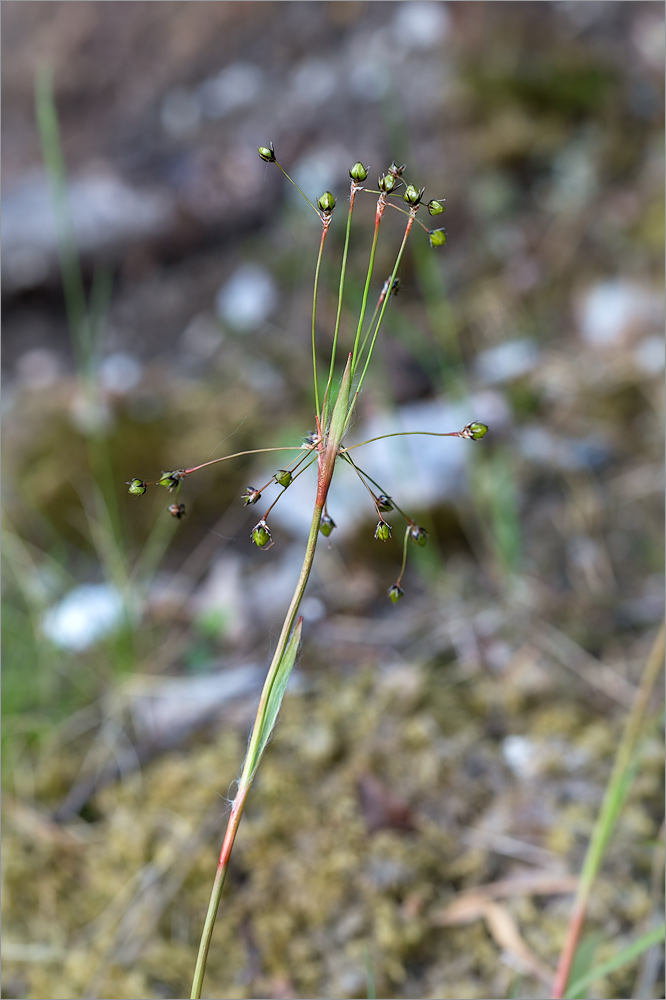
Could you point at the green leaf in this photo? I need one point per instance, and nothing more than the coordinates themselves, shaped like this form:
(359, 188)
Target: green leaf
(621, 958)
(339, 418)
(275, 697)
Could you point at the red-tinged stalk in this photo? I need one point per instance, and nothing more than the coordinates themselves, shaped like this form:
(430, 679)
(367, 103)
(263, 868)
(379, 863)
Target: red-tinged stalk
(239, 454)
(614, 797)
(328, 452)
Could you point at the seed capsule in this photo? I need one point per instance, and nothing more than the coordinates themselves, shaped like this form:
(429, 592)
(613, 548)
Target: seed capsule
(386, 183)
(172, 479)
(283, 477)
(267, 153)
(474, 431)
(326, 525)
(251, 496)
(137, 487)
(437, 237)
(418, 535)
(358, 172)
(326, 203)
(177, 510)
(383, 531)
(384, 503)
(261, 534)
(412, 195)
(396, 171)
(395, 593)
(435, 207)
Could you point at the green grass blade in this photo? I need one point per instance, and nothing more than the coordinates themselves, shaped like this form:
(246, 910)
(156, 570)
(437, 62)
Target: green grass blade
(275, 697)
(623, 957)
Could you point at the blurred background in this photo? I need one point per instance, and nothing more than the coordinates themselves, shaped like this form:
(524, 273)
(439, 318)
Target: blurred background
(157, 284)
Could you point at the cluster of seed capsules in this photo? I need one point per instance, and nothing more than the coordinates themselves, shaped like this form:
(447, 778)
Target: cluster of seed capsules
(389, 183)
(261, 534)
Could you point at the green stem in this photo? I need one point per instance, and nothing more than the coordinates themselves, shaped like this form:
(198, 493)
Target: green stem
(381, 205)
(397, 434)
(341, 290)
(326, 464)
(408, 227)
(314, 315)
(404, 557)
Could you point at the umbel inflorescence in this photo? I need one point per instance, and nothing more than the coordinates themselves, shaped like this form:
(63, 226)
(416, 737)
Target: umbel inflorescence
(335, 401)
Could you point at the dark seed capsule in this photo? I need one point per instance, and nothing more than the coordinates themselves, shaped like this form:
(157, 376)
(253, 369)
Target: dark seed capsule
(267, 153)
(251, 496)
(396, 171)
(137, 487)
(172, 479)
(326, 525)
(384, 503)
(177, 510)
(395, 593)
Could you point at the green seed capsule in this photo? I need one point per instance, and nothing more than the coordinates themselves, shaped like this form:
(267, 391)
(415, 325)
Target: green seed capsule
(418, 535)
(177, 510)
(326, 203)
(395, 593)
(383, 531)
(435, 207)
(137, 487)
(358, 172)
(437, 237)
(412, 195)
(283, 477)
(386, 183)
(261, 534)
(267, 153)
(326, 525)
(476, 430)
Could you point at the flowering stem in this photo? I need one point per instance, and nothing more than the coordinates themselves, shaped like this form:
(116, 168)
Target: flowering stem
(408, 227)
(343, 271)
(450, 434)
(381, 205)
(238, 454)
(314, 313)
(326, 463)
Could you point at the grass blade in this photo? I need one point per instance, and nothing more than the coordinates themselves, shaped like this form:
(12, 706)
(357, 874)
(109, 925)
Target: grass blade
(628, 954)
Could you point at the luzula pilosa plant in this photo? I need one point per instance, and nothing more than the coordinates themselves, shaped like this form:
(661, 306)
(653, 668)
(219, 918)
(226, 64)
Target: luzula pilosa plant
(334, 408)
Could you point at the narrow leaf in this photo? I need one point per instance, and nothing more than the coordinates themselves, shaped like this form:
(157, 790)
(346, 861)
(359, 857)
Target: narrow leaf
(339, 418)
(275, 697)
(622, 957)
